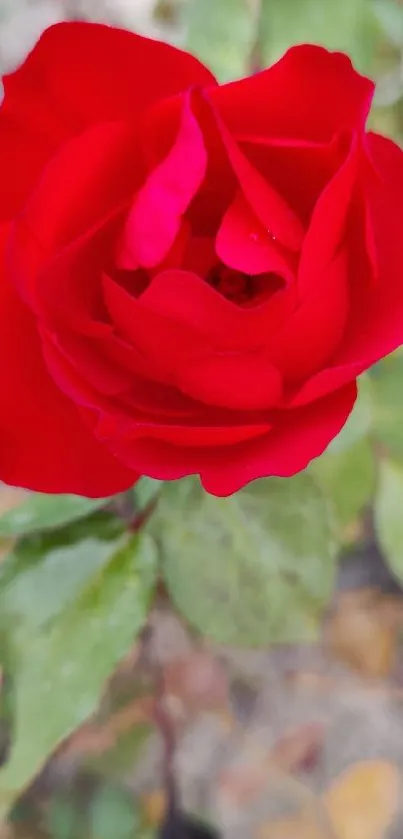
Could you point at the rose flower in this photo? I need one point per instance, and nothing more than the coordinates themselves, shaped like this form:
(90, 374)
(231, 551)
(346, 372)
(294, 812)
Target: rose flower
(194, 275)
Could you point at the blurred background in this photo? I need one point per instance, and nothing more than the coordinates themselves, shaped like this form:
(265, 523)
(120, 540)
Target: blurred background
(301, 735)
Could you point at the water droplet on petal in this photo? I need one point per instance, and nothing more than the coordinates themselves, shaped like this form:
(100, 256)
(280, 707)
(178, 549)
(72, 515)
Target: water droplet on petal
(254, 237)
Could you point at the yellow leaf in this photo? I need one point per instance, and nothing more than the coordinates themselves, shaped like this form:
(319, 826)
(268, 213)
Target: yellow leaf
(304, 826)
(362, 801)
(154, 807)
(363, 632)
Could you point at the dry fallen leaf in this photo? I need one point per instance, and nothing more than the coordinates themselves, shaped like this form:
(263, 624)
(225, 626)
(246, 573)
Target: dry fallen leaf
(154, 807)
(303, 827)
(298, 749)
(311, 822)
(241, 785)
(363, 631)
(197, 681)
(360, 804)
(92, 738)
(362, 801)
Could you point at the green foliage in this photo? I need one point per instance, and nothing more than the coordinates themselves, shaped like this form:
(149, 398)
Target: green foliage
(389, 514)
(345, 25)
(359, 423)
(387, 389)
(64, 819)
(347, 470)
(225, 33)
(110, 813)
(113, 814)
(221, 35)
(69, 614)
(250, 569)
(387, 430)
(389, 14)
(348, 479)
(44, 512)
(118, 761)
(145, 492)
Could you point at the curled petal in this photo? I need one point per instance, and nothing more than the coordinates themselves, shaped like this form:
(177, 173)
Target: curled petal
(310, 94)
(375, 323)
(244, 244)
(155, 218)
(298, 437)
(198, 309)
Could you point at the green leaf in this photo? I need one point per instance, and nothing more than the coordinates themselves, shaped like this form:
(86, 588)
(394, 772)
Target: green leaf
(387, 389)
(64, 657)
(146, 491)
(44, 512)
(113, 814)
(346, 25)
(359, 422)
(64, 818)
(222, 36)
(251, 569)
(347, 479)
(32, 593)
(388, 511)
(116, 762)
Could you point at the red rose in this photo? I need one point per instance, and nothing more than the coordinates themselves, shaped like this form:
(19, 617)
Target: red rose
(194, 275)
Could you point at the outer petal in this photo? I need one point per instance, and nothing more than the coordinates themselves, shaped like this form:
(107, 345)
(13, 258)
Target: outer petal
(299, 436)
(78, 74)
(44, 444)
(309, 94)
(85, 182)
(375, 325)
(312, 333)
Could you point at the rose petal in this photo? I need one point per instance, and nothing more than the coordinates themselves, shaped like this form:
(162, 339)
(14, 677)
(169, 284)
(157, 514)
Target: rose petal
(44, 444)
(313, 332)
(89, 178)
(122, 435)
(85, 375)
(164, 343)
(299, 436)
(244, 244)
(273, 212)
(309, 94)
(328, 225)
(78, 74)
(298, 169)
(375, 324)
(238, 381)
(155, 218)
(192, 305)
